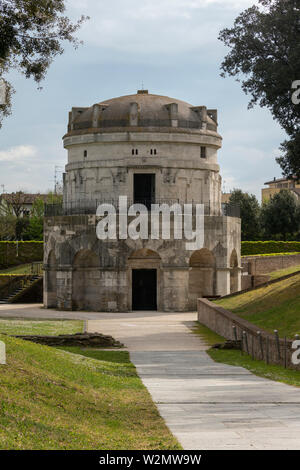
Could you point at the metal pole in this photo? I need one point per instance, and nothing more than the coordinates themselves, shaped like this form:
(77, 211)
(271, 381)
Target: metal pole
(261, 345)
(247, 346)
(242, 343)
(234, 333)
(285, 353)
(267, 350)
(277, 343)
(246, 341)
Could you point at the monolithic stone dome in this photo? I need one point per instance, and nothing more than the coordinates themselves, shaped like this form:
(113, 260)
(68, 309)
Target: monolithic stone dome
(143, 110)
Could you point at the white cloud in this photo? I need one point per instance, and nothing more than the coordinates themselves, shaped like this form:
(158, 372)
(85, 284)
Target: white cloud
(154, 26)
(19, 153)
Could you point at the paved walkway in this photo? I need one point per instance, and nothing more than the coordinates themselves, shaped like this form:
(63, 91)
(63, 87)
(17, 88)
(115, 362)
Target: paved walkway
(206, 405)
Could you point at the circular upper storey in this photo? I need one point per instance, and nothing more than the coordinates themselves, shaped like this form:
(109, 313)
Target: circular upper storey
(142, 112)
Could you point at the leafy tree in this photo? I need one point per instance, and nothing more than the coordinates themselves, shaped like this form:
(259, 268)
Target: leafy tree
(35, 227)
(265, 57)
(17, 202)
(21, 226)
(250, 214)
(280, 215)
(54, 198)
(290, 159)
(7, 226)
(31, 36)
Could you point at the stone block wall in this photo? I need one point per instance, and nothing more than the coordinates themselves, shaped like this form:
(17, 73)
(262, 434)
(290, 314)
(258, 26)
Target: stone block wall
(265, 264)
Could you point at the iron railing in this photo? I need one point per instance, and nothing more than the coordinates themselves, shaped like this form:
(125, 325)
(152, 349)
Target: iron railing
(87, 207)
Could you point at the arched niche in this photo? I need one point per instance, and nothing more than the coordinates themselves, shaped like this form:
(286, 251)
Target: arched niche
(234, 272)
(86, 289)
(51, 280)
(202, 276)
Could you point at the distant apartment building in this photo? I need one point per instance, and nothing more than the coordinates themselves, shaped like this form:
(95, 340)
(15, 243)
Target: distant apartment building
(276, 185)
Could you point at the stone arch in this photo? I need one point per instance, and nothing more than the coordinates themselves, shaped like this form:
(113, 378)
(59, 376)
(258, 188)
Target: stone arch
(86, 294)
(144, 259)
(234, 272)
(145, 254)
(51, 281)
(202, 276)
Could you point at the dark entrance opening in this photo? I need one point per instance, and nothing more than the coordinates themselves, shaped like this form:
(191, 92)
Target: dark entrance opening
(144, 289)
(144, 189)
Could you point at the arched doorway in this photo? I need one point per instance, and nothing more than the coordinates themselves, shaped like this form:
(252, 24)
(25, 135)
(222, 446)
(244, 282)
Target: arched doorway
(51, 282)
(86, 281)
(144, 279)
(234, 272)
(202, 276)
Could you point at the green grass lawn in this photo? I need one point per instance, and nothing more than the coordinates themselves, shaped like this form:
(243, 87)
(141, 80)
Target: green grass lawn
(209, 336)
(21, 269)
(283, 272)
(260, 368)
(273, 307)
(236, 358)
(76, 399)
(18, 326)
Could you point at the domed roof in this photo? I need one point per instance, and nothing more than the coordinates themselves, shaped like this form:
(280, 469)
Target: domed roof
(143, 110)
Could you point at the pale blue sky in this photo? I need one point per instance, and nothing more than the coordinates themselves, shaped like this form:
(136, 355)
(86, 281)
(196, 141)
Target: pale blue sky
(169, 45)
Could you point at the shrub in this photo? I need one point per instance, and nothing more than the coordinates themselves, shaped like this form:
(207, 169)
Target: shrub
(261, 248)
(15, 253)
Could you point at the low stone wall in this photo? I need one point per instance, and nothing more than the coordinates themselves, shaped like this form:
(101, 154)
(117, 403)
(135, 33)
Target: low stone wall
(263, 346)
(256, 265)
(250, 282)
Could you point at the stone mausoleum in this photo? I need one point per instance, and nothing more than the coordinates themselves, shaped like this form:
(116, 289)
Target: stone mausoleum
(152, 149)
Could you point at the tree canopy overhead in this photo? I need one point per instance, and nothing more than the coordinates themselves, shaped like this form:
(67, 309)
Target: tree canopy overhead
(32, 33)
(265, 58)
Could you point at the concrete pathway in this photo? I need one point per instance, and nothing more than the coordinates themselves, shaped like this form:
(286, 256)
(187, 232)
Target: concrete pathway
(206, 405)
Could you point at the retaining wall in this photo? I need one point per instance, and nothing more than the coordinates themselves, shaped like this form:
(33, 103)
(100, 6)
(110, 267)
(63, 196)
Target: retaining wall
(263, 346)
(256, 265)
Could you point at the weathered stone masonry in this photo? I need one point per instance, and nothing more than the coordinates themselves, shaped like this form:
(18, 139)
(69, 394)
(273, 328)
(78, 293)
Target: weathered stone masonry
(146, 147)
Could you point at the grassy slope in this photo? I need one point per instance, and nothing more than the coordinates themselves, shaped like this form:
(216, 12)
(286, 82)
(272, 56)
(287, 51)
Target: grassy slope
(53, 399)
(21, 269)
(286, 253)
(284, 272)
(260, 368)
(274, 307)
(40, 327)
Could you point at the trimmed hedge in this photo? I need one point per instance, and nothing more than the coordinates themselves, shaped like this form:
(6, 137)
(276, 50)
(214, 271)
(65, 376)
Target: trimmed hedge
(262, 248)
(15, 253)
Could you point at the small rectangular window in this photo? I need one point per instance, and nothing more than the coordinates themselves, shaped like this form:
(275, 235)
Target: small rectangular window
(203, 152)
(154, 151)
(132, 152)
(136, 152)
(85, 153)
